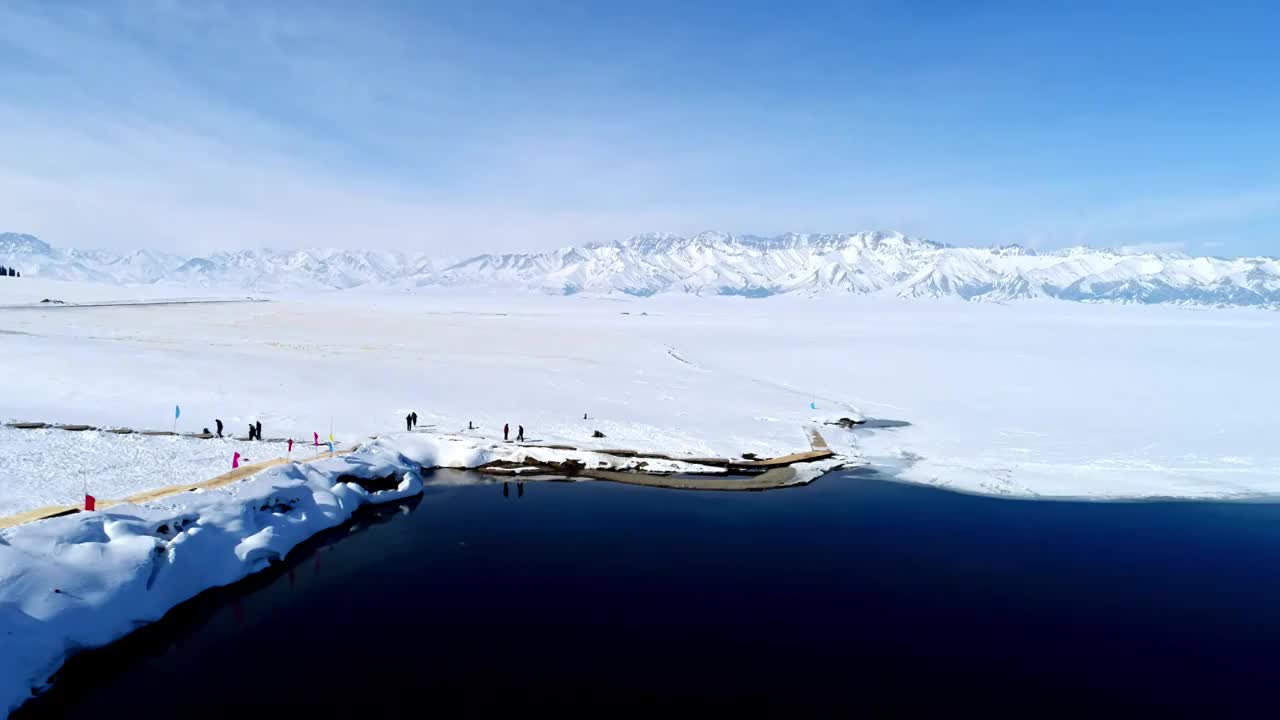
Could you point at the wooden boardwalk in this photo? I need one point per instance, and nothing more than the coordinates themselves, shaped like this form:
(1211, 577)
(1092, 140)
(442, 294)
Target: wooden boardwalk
(226, 478)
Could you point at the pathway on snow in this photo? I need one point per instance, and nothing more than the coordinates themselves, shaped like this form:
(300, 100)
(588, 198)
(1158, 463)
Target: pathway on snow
(44, 467)
(227, 478)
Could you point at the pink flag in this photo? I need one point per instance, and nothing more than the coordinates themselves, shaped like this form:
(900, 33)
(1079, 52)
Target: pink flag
(235, 461)
(89, 502)
(317, 438)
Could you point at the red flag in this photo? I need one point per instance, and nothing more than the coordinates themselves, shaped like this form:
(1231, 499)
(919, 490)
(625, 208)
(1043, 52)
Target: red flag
(89, 502)
(290, 444)
(317, 438)
(235, 461)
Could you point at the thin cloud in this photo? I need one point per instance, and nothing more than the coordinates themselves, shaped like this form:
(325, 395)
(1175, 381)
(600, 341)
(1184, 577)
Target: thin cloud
(200, 126)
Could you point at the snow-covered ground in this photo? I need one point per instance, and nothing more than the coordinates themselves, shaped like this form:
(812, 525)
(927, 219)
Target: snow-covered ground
(55, 467)
(1036, 398)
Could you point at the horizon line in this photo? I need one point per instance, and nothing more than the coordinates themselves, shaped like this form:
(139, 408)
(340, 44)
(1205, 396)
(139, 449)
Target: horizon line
(1137, 249)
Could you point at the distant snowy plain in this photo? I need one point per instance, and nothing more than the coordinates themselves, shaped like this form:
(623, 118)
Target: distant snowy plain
(1038, 398)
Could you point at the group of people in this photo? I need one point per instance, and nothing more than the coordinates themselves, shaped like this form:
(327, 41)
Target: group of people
(9, 272)
(255, 429)
(506, 430)
(410, 423)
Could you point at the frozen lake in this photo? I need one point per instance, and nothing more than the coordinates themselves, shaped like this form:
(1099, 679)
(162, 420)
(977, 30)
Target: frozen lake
(848, 594)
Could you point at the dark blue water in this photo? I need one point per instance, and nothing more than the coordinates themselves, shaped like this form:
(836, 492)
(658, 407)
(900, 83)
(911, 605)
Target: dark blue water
(849, 595)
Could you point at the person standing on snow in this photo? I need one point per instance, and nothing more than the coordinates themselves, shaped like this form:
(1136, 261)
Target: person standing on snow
(259, 429)
(519, 433)
(218, 423)
(506, 431)
(408, 422)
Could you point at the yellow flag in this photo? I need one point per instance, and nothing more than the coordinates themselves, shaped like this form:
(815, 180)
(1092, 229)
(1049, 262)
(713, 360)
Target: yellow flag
(330, 437)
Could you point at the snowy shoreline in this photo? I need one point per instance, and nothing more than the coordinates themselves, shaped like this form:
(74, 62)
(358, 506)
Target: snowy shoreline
(88, 579)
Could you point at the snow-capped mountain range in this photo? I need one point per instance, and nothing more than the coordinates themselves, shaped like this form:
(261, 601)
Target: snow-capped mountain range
(705, 264)
(256, 270)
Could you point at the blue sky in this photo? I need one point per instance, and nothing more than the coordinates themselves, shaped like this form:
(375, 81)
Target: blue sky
(456, 127)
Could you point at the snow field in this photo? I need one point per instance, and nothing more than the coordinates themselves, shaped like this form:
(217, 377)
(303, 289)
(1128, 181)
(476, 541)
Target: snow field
(1031, 399)
(56, 467)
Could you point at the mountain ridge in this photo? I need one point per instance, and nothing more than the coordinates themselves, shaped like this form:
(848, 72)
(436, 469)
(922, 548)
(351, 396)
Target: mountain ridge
(708, 263)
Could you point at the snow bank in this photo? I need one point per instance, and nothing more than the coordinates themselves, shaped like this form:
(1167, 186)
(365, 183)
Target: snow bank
(464, 452)
(806, 473)
(87, 579)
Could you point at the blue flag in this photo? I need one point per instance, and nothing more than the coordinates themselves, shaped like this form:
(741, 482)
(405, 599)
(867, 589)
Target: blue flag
(330, 448)
(813, 406)
(177, 412)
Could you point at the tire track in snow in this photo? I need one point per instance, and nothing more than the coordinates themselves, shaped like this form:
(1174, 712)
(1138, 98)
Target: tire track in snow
(679, 356)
